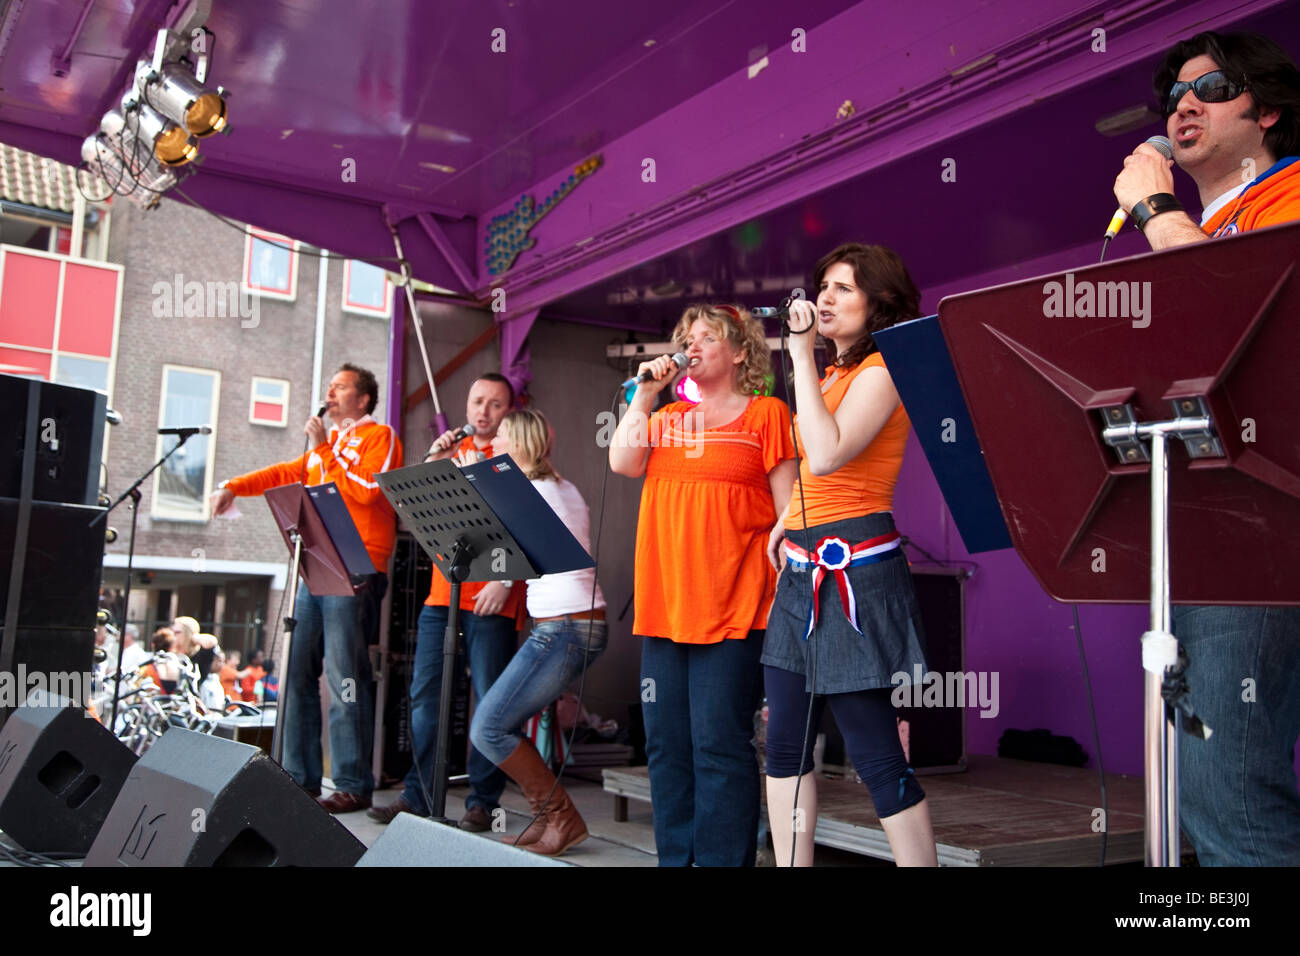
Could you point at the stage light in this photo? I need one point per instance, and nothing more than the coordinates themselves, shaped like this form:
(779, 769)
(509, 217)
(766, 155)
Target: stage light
(170, 143)
(178, 95)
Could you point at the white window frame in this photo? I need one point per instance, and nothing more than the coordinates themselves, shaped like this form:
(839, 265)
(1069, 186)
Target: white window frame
(252, 402)
(251, 233)
(358, 308)
(157, 510)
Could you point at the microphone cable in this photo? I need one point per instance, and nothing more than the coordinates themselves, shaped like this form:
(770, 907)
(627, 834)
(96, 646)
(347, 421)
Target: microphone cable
(786, 370)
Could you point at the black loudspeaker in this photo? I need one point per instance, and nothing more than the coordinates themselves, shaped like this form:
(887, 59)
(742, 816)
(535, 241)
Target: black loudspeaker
(60, 772)
(938, 734)
(412, 572)
(198, 800)
(69, 443)
(417, 841)
(63, 564)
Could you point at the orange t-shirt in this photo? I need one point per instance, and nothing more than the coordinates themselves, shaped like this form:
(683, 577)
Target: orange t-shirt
(1269, 202)
(249, 683)
(440, 590)
(229, 678)
(862, 486)
(702, 574)
(350, 459)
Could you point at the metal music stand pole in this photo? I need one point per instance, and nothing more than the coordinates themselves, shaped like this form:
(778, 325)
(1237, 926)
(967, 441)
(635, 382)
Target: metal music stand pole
(281, 702)
(461, 556)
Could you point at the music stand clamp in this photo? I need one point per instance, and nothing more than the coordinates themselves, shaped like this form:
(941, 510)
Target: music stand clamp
(1045, 356)
(484, 522)
(323, 549)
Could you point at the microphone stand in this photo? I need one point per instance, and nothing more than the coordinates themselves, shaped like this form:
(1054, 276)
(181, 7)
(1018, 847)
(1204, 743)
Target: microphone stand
(134, 494)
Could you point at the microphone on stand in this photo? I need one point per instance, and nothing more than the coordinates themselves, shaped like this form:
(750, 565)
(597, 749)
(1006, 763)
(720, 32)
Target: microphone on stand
(187, 432)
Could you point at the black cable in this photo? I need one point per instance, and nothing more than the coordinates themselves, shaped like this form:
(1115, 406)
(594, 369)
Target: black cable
(21, 857)
(239, 227)
(1096, 736)
(803, 509)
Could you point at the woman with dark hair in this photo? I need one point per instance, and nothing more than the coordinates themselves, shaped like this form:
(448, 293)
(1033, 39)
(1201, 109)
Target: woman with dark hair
(717, 473)
(845, 618)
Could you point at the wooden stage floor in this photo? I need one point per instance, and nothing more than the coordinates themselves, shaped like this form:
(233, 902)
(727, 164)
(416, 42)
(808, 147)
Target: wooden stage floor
(997, 813)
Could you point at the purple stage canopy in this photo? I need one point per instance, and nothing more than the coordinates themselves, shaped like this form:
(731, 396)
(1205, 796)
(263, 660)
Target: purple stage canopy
(738, 139)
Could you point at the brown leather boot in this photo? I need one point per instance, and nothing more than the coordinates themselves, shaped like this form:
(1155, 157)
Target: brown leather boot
(560, 825)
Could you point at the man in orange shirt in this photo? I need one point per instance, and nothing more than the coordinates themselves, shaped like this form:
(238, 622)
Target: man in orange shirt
(489, 618)
(1232, 103)
(335, 631)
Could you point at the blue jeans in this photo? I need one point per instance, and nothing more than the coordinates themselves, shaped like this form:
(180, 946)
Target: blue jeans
(1239, 802)
(699, 728)
(547, 663)
(334, 632)
(489, 642)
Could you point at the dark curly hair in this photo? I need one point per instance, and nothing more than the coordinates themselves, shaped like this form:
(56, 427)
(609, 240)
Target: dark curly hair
(891, 294)
(1270, 76)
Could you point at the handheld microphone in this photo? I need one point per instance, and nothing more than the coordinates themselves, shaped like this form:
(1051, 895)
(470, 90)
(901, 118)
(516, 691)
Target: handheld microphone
(187, 432)
(679, 359)
(465, 431)
(1166, 149)
(320, 412)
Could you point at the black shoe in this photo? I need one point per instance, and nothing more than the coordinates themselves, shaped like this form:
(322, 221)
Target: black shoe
(386, 814)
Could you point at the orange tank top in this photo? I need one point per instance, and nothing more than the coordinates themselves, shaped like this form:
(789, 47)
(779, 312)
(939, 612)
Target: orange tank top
(864, 485)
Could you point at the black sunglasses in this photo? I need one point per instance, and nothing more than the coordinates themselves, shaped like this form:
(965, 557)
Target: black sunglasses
(1212, 87)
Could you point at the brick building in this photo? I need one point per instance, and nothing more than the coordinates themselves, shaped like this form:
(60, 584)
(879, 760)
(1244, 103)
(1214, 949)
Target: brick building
(218, 324)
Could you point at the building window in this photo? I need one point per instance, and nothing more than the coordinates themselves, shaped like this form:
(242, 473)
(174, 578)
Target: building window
(59, 318)
(270, 265)
(366, 289)
(268, 403)
(182, 485)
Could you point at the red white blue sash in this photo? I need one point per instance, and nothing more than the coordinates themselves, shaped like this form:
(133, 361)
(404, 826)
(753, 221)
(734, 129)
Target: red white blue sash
(835, 554)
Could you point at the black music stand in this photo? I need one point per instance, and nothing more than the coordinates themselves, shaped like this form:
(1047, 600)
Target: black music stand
(1079, 383)
(326, 550)
(484, 522)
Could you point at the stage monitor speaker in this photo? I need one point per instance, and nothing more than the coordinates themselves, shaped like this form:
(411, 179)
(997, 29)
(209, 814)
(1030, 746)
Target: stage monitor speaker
(198, 800)
(60, 772)
(936, 735)
(55, 659)
(69, 445)
(418, 841)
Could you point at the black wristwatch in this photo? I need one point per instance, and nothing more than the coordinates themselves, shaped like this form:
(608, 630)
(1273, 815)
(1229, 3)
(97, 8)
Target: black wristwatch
(1144, 211)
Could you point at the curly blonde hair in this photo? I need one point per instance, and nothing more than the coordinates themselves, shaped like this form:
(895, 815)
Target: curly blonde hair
(744, 333)
(531, 437)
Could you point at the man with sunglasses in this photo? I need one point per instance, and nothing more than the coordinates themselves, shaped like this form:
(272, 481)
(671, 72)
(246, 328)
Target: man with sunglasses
(1232, 108)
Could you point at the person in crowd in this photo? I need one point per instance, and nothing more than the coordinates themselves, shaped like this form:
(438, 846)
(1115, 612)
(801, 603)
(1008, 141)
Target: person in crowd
(211, 694)
(335, 632)
(568, 612)
(1232, 111)
(846, 617)
(165, 669)
(249, 676)
(270, 683)
(198, 647)
(717, 473)
(229, 675)
(133, 655)
(490, 617)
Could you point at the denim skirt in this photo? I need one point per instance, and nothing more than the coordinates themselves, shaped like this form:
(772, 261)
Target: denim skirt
(892, 639)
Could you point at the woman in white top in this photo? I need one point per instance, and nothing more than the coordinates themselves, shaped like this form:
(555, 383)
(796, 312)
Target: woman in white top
(568, 613)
